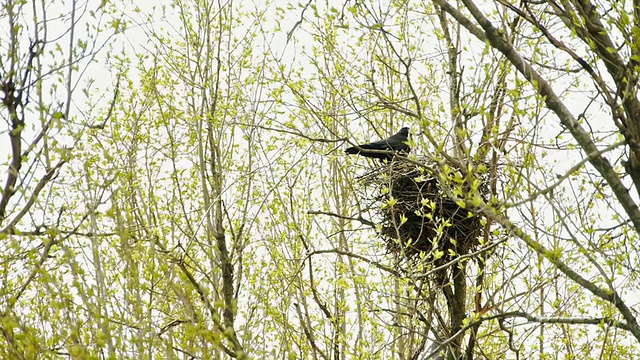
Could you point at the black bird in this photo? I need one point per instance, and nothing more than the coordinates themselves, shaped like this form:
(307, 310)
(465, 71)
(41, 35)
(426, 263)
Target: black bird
(396, 143)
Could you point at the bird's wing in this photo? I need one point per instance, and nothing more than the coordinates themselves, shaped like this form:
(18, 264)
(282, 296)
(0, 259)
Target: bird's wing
(395, 142)
(377, 145)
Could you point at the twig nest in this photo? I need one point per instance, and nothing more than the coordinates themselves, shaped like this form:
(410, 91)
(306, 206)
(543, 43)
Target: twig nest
(417, 217)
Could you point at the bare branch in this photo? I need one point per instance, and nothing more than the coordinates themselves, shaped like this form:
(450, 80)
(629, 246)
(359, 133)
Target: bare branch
(359, 218)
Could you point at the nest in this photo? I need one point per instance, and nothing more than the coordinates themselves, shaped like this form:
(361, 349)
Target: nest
(417, 217)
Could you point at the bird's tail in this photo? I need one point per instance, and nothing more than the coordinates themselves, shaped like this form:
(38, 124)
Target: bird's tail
(359, 148)
(352, 150)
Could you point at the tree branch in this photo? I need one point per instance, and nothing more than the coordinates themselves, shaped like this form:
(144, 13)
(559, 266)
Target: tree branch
(532, 319)
(32, 199)
(499, 41)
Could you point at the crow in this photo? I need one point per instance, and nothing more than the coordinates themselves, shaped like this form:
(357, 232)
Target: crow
(396, 143)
